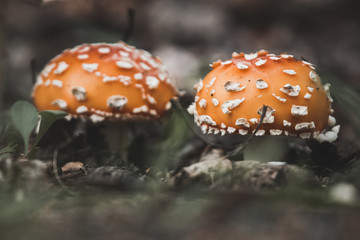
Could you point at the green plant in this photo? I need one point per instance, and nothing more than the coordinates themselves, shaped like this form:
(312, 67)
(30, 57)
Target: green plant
(25, 118)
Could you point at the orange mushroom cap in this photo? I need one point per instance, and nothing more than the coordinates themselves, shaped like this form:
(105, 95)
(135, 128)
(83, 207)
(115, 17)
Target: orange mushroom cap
(230, 98)
(105, 81)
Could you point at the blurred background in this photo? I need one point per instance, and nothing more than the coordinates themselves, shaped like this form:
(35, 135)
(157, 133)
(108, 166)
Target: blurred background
(187, 35)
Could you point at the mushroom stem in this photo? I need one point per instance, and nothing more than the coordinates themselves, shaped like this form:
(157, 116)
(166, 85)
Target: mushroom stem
(237, 151)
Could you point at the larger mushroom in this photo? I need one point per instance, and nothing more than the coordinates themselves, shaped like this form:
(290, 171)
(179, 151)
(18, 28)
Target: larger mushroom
(231, 97)
(105, 81)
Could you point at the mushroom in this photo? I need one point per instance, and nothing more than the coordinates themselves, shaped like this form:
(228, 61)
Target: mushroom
(231, 97)
(105, 81)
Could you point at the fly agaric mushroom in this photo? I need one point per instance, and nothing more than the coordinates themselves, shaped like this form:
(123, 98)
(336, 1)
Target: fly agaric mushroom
(231, 97)
(105, 81)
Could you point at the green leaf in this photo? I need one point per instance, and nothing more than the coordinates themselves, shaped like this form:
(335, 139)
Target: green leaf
(25, 118)
(8, 149)
(47, 119)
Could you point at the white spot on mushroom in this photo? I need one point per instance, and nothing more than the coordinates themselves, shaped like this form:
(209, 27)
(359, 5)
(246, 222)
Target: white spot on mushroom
(141, 109)
(138, 76)
(226, 62)
(242, 66)
(124, 54)
(231, 129)
(304, 126)
(212, 81)
(254, 120)
(57, 83)
(231, 104)
(290, 90)
(216, 131)
(286, 56)
(110, 78)
(151, 99)
(275, 132)
(307, 96)
(310, 89)
(313, 76)
(96, 118)
(152, 82)
(268, 118)
(82, 109)
(62, 104)
(233, 87)
(223, 132)
(260, 62)
(261, 84)
(83, 56)
(124, 64)
(274, 58)
(199, 85)
(299, 111)
(144, 66)
(196, 98)
(62, 66)
(204, 128)
(126, 80)
(286, 123)
(223, 125)
(212, 92)
(308, 64)
(289, 71)
(104, 50)
(260, 132)
(242, 122)
(279, 98)
(243, 131)
(191, 108)
(331, 121)
(168, 106)
(327, 90)
(90, 67)
(117, 102)
(202, 103)
(206, 119)
(39, 80)
(48, 68)
(153, 112)
(47, 82)
(336, 129)
(84, 49)
(251, 56)
(162, 76)
(215, 101)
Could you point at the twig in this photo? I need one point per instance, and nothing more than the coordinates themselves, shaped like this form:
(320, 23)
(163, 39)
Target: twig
(130, 26)
(191, 125)
(242, 146)
(33, 70)
(3, 7)
(56, 173)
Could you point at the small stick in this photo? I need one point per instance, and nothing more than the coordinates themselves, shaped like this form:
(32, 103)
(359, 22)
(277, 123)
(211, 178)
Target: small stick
(190, 124)
(33, 70)
(130, 26)
(242, 146)
(54, 163)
